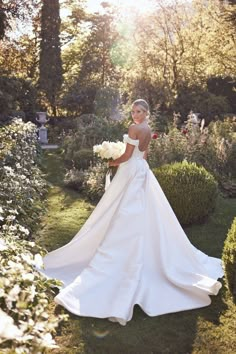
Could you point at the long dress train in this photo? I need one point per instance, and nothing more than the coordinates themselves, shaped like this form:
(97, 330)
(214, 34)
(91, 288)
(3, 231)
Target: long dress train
(132, 250)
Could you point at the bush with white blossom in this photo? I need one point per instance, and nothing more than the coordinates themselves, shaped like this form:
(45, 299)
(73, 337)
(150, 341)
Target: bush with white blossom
(22, 186)
(25, 324)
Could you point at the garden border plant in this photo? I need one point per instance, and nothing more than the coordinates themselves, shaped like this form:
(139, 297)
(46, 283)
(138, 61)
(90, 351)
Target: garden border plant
(25, 324)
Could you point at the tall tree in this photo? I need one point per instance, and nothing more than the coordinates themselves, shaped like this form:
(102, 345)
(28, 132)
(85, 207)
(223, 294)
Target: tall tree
(50, 64)
(182, 45)
(88, 61)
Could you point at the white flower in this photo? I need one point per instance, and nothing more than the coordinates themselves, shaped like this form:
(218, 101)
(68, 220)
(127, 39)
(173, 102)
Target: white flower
(28, 276)
(27, 258)
(7, 328)
(109, 150)
(3, 245)
(13, 211)
(24, 230)
(8, 169)
(32, 291)
(38, 261)
(13, 293)
(48, 341)
(15, 266)
(12, 228)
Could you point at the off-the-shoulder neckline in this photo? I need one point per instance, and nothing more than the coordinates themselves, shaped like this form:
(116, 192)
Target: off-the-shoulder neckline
(130, 137)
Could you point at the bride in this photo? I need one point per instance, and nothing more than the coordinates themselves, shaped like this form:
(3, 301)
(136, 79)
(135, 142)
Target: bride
(132, 249)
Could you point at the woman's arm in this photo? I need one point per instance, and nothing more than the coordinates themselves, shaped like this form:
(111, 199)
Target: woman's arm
(124, 157)
(129, 148)
(145, 155)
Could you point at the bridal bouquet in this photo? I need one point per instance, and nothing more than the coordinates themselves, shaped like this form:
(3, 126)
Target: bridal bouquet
(109, 150)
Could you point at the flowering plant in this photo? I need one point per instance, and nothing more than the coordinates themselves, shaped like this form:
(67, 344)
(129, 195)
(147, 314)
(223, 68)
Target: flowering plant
(26, 319)
(109, 150)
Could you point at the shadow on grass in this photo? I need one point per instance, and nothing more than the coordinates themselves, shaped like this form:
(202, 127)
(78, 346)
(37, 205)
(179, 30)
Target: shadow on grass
(170, 333)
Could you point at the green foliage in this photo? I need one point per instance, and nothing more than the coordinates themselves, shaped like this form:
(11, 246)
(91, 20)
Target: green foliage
(74, 179)
(83, 158)
(213, 147)
(90, 130)
(94, 182)
(229, 258)
(107, 102)
(12, 10)
(90, 182)
(180, 48)
(191, 190)
(26, 326)
(167, 148)
(223, 86)
(22, 187)
(17, 96)
(199, 100)
(89, 67)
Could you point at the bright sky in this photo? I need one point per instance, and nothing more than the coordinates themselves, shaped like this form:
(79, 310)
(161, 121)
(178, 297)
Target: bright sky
(142, 5)
(139, 5)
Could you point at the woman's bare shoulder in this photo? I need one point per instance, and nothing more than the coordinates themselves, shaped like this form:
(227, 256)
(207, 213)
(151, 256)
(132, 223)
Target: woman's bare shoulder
(133, 130)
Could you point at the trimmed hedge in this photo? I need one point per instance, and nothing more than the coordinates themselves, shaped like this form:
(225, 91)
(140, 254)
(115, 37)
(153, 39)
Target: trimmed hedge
(191, 190)
(229, 259)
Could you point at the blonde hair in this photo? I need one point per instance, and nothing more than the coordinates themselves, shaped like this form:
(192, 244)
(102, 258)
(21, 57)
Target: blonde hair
(143, 103)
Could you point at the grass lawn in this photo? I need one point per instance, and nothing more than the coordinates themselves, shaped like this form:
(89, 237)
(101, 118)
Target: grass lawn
(207, 330)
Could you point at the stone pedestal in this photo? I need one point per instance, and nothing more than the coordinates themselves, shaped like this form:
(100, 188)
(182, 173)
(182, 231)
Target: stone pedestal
(43, 132)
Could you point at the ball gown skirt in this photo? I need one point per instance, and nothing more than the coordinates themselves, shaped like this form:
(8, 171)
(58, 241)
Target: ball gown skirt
(132, 250)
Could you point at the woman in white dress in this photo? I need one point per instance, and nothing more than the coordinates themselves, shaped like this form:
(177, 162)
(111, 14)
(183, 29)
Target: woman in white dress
(132, 249)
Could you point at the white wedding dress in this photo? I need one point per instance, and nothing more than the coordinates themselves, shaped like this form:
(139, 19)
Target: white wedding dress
(132, 250)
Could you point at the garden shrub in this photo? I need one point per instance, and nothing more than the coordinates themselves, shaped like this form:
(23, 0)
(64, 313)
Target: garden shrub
(94, 183)
(25, 324)
(229, 259)
(213, 147)
(83, 158)
(22, 187)
(90, 182)
(89, 132)
(191, 190)
(16, 94)
(75, 179)
(200, 100)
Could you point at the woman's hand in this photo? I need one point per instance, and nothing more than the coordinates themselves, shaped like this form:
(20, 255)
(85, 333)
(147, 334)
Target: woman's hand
(112, 163)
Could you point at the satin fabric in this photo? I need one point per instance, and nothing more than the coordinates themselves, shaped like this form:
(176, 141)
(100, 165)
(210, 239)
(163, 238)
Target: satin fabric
(132, 250)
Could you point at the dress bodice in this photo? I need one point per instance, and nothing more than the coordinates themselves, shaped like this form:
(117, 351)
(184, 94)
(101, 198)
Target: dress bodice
(136, 153)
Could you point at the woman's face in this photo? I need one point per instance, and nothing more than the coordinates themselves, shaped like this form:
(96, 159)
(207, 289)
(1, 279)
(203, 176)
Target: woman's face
(138, 114)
